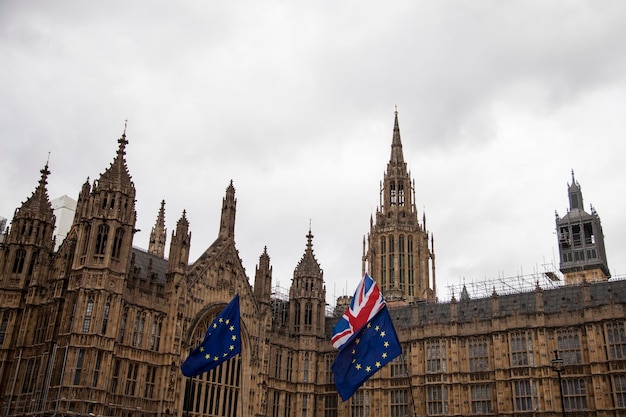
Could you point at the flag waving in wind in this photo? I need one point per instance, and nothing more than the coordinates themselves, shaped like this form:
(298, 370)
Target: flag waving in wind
(365, 337)
(366, 302)
(222, 341)
(373, 347)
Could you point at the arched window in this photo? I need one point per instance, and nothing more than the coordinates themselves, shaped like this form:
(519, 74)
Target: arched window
(296, 319)
(3, 329)
(117, 243)
(86, 240)
(78, 369)
(105, 318)
(142, 325)
(391, 257)
(306, 369)
(308, 314)
(392, 194)
(155, 336)
(123, 326)
(383, 261)
(410, 264)
(31, 264)
(101, 239)
(18, 263)
(88, 312)
(401, 273)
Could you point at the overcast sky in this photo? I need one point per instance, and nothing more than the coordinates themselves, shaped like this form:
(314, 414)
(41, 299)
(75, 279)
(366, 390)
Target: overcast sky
(294, 101)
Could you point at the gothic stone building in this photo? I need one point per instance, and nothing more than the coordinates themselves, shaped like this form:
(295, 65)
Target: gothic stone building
(99, 327)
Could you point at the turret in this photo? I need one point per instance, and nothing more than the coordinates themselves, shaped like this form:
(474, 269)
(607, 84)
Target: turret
(581, 241)
(263, 279)
(229, 208)
(179, 247)
(105, 217)
(158, 234)
(29, 240)
(307, 295)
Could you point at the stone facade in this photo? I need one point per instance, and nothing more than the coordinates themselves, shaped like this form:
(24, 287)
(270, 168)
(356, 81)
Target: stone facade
(99, 327)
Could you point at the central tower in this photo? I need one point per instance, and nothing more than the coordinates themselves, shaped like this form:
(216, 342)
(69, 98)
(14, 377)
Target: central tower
(396, 249)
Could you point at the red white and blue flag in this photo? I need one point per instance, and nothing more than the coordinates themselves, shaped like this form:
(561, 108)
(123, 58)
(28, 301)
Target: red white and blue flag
(366, 302)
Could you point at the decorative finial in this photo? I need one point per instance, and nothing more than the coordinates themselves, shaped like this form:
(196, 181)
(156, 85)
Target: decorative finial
(48, 160)
(309, 238)
(396, 109)
(125, 125)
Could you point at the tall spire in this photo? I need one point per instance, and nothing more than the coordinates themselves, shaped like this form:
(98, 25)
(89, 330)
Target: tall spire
(117, 177)
(396, 190)
(308, 264)
(38, 204)
(398, 256)
(397, 157)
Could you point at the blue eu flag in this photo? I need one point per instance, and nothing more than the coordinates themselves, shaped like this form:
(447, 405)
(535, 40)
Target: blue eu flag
(364, 354)
(221, 342)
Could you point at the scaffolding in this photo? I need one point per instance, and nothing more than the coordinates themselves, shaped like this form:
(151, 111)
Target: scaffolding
(550, 278)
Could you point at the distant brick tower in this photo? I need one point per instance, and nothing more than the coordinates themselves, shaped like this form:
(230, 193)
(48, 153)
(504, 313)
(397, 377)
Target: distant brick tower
(581, 241)
(397, 247)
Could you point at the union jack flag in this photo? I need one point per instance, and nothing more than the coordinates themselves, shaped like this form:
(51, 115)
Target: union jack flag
(366, 302)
